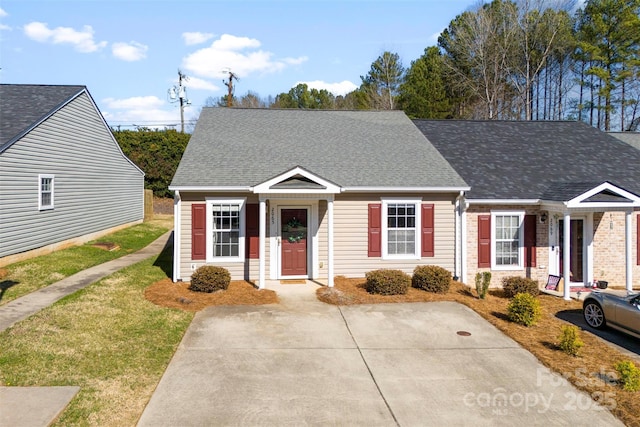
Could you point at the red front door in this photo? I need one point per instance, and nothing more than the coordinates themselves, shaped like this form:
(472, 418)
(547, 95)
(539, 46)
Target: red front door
(294, 242)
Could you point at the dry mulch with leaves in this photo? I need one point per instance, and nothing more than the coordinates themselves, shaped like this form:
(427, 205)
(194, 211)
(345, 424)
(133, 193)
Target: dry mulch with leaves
(177, 295)
(591, 371)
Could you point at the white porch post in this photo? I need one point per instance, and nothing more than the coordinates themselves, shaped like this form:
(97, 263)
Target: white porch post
(627, 249)
(566, 256)
(330, 241)
(261, 242)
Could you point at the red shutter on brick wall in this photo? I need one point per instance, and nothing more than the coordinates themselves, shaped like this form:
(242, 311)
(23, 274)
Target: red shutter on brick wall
(198, 231)
(375, 230)
(530, 240)
(252, 233)
(484, 241)
(638, 237)
(427, 231)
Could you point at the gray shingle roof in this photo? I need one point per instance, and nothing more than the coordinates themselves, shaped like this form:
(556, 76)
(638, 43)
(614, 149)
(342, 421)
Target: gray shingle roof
(533, 160)
(244, 147)
(23, 106)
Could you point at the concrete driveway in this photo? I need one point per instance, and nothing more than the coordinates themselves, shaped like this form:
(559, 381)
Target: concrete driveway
(303, 362)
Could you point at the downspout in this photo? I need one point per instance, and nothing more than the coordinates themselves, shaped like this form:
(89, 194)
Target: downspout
(177, 203)
(460, 235)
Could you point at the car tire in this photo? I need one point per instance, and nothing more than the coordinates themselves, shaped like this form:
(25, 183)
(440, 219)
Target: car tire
(594, 315)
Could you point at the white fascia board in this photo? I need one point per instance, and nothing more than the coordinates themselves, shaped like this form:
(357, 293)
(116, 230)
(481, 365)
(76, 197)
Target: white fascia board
(208, 188)
(406, 189)
(503, 201)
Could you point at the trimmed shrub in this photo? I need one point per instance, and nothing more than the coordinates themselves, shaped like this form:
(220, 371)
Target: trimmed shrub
(514, 285)
(387, 282)
(570, 341)
(629, 375)
(431, 278)
(209, 278)
(483, 280)
(524, 309)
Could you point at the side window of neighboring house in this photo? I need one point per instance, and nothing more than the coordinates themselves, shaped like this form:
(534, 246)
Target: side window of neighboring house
(45, 192)
(507, 237)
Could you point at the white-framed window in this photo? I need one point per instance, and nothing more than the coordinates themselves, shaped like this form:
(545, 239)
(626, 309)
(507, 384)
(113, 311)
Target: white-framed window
(45, 191)
(225, 229)
(401, 228)
(507, 240)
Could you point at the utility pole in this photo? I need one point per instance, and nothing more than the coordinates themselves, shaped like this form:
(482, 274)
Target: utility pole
(179, 93)
(229, 85)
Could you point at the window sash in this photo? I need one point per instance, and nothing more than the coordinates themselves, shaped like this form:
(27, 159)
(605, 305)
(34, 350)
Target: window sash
(401, 229)
(45, 192)
(225, 222)
(508, 240)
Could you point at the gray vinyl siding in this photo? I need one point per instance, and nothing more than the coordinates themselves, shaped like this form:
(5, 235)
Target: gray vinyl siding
(351, 235)
(95, 186)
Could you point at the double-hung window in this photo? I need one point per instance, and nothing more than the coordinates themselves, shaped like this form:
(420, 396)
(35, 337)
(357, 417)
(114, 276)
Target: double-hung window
(507, 237)
(45, 192)
(401, 228)
(225, 225)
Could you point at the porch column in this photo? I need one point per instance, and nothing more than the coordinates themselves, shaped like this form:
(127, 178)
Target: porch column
(627, 250)
(330, 242)
(261, 244)
(566, 256)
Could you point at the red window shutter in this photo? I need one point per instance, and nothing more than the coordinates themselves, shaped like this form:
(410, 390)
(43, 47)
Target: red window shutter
(252, 233)
(375, 230)
(484, 241)
(427, 230)
(638, 237)
(198, 231)
(530, 240)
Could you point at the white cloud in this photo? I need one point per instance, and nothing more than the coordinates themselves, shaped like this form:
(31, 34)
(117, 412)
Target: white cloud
(5, 27)
(196, 38)
(196, 83)
(3, 13)
(336, 89)
(82, 41)
(136, 102)
(132, 51)
(238, 54)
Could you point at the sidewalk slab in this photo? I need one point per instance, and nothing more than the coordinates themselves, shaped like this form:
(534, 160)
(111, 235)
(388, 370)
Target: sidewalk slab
(33, 406)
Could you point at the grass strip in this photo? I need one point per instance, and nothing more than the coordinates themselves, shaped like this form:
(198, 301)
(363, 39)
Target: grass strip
(30, 275)
(107, 339)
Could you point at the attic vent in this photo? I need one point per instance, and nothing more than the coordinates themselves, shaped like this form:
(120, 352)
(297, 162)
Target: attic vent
(607, 196)
(298, 182)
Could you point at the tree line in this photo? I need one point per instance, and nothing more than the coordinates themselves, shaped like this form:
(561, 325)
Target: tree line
(507, 60)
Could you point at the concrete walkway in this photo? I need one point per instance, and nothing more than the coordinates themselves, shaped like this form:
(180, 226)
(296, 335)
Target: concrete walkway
(40, 406)
(302, 362)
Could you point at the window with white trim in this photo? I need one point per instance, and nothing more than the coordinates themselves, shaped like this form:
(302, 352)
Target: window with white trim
(507, 237)
(401, 228)
(225, 225)
(45, 192)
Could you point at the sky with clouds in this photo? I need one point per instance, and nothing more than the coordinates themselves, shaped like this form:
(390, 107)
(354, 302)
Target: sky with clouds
(128, 52)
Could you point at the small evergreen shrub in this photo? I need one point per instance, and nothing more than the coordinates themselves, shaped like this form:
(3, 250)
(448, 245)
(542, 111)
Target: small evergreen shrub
(514, 285)
(209, 278)
(629, 375)
(483, 280)
(431, 278)
(387, 282)
(570, 341)
(524, 309)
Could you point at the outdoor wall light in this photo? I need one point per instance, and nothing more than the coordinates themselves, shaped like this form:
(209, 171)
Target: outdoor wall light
(543, 218)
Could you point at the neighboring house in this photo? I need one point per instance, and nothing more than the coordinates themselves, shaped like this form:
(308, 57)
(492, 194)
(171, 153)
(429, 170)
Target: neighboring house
(541, 190)
(63, 177)
(281, 194)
